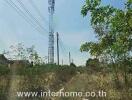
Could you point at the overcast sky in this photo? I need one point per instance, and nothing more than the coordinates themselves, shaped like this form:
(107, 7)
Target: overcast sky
(73, 28)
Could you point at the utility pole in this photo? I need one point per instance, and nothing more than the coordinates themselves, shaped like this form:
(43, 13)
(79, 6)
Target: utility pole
(72, 61)
(51, 32)
(62, 62)
(57, 48)
(69, 58)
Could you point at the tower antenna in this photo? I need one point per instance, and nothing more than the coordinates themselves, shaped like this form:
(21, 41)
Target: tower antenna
(51, 32)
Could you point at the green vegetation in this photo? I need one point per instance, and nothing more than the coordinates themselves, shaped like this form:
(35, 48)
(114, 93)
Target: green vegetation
(4, 70)
(109, 68)
(113, 28)
(70, 78)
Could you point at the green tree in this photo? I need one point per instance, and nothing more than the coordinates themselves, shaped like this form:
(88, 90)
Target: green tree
(113, 28)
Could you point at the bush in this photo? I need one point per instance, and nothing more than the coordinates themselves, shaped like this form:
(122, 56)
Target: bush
(93, 64)
(72, 65)
(4, 70)
(65, 73)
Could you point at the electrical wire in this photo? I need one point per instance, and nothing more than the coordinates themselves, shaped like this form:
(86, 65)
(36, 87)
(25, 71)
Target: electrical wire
(30, 15)
(37, 10)
(22, 14)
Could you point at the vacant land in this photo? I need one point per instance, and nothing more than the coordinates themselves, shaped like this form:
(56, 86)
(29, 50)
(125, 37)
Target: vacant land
(61, 78)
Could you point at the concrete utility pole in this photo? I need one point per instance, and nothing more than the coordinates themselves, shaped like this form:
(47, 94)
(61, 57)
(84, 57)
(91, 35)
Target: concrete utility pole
(62, 61)
(51, 32)
(57, 34)
(69, 58)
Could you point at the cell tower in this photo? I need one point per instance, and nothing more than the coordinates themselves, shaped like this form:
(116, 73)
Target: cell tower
(51, 32)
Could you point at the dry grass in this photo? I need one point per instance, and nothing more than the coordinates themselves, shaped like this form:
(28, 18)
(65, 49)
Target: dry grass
(55, 80)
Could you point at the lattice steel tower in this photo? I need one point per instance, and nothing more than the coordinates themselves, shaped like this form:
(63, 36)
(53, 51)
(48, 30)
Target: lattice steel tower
(51, 32)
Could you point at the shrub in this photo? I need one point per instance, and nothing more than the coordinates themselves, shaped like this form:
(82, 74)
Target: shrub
(4, 70)
(93, 64)
(65, 73)
(72, 65)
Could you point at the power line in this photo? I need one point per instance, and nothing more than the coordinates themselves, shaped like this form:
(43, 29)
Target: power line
(22, 14)
(62, 45)
(31, 16)
(37, 10)
(63, 49)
